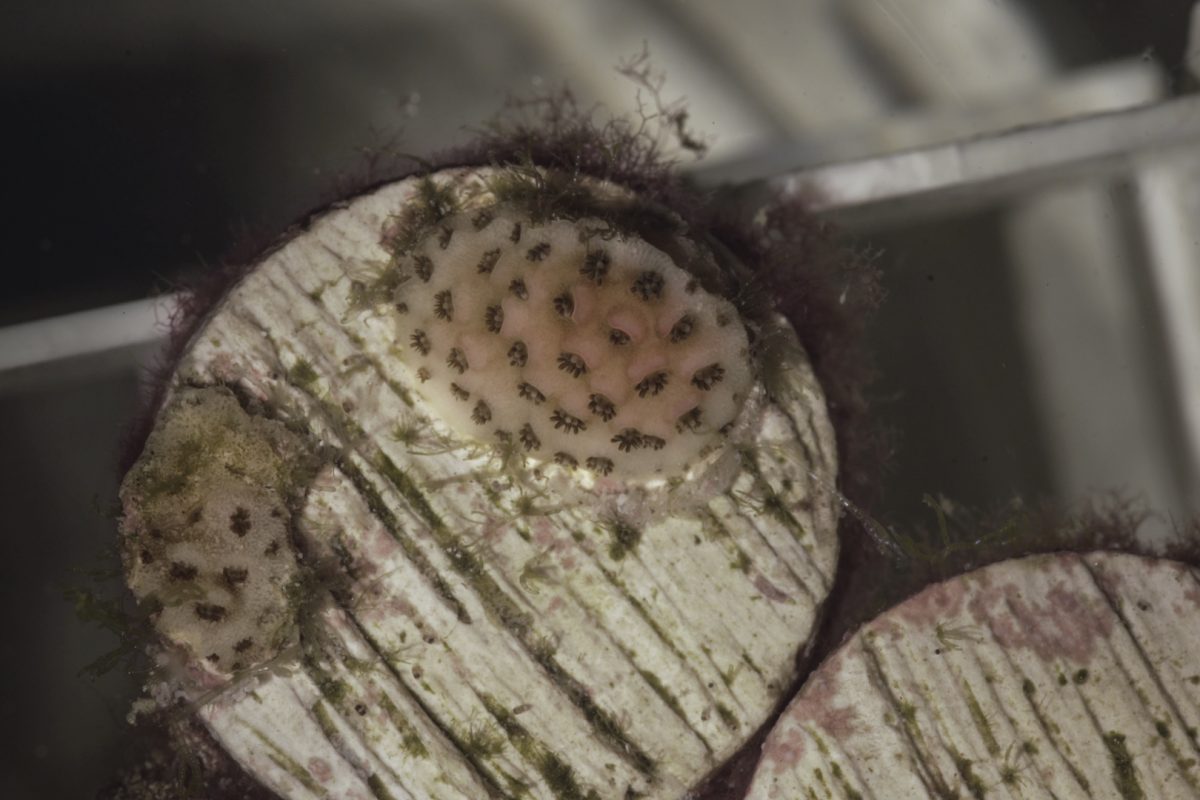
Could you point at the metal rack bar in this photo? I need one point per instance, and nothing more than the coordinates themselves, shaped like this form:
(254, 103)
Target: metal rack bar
(982, 167)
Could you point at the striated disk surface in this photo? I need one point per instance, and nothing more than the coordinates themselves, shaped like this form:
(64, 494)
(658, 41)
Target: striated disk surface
(403, 557)
(1060, 676)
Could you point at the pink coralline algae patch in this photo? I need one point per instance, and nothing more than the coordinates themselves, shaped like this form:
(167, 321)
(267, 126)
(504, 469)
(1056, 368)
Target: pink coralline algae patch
(817, 702)
(319, 768)
(1112, 581)
(204, 676)
(374, 551)
(935, 604)
(398, 607)
(784, 752)
(770, 590)
(1066, 623)
(546, 537)
(494, 529)
(883, 626)
(225, 367)
(545, 534)
(605, 486)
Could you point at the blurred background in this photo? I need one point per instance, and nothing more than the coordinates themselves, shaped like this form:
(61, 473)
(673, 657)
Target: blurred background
(1040, 339)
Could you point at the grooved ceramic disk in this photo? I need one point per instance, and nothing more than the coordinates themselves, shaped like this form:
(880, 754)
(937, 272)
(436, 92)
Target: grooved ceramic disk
(406, 558)
(1059, 676)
